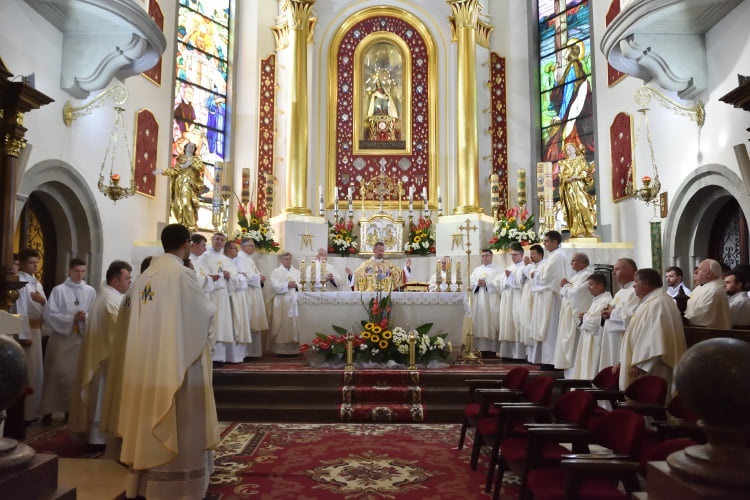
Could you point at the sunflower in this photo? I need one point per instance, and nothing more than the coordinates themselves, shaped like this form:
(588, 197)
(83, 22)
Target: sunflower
(376, 329)
(387, 334)
(254, 221)
(374, 339)
(369, 326)
(417, 239)
(365, 334)
(383, 344)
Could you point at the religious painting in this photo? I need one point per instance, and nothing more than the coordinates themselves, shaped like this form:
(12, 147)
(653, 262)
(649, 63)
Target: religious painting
(200, 95)
(621, 155)
(382, 111)
(566, 90)
(383, 89)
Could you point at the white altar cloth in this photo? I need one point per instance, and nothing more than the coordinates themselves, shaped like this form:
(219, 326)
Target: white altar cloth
(446, 310)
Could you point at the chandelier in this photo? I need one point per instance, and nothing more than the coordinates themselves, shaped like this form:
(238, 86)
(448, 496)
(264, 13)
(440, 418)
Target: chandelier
(110, 185)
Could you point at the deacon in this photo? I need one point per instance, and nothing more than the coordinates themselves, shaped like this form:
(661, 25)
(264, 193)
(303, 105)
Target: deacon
(255, 281)
(576, 299)
(547, 300)
(65, 314)
(239, 300)
(30, 306)
(167, 416)
(485, 282)
(217, 267)
(589, 346)
(93, 365)
(708, 305)
(284, 339)
(655, 339)
(617, 315)
(377, 264)
(511, 306)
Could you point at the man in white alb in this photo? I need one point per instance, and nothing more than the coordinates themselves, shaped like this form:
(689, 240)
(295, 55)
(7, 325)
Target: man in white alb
(255, 280)
(618, 314)
(284, 338)
(576, 300)
(65, 314)
(485, 282)
(532, 263)
(511, 307)
(332, 280)
(739, 302)
(240, 302)
(93, 365)
(589, 346)
(433, 282)
(217, 266)
(708, 305)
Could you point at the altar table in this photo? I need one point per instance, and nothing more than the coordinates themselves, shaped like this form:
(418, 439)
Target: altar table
(317, 311)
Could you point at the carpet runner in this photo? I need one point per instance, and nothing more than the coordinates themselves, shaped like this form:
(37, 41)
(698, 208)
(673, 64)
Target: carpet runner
(381, 396)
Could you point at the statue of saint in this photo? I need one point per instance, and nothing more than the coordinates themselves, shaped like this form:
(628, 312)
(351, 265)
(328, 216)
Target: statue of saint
(576, 175)
(186, 185)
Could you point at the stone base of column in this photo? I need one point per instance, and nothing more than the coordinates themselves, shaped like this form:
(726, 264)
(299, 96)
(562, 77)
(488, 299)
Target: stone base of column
(449, 237)
(300, 234)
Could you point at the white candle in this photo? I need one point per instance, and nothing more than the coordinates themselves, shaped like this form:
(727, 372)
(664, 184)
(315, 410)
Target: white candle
(336, 193)
(411, 192)
(350, 193)
(320, 191)
(424, 193)
(438, 192)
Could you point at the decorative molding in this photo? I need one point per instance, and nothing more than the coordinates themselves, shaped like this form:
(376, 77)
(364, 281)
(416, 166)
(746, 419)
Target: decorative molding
(621, 155)
(266, 127)
(154, 74)
(484, 33)
(664, 40)
(102, 40)
(499, 125)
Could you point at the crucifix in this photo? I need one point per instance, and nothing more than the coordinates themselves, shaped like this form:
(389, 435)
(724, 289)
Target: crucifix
(468, 354)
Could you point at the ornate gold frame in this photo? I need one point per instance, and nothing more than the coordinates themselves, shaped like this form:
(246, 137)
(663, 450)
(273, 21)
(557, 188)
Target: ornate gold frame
(432, 80)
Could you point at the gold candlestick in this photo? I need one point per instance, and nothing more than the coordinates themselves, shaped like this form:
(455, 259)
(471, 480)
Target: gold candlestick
(468, 353)
(458, 276)
(438, 275)
(349, 350)
(412, 350)
(302, 271)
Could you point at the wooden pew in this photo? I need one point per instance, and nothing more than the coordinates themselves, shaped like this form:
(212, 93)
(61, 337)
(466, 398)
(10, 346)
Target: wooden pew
(695, 334)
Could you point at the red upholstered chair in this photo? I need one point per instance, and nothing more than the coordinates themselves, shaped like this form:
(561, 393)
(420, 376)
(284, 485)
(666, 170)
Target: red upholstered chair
(645, 390)
(620, 431)
(606, 379)
(513, 381)
(538, 391)
(572, 409)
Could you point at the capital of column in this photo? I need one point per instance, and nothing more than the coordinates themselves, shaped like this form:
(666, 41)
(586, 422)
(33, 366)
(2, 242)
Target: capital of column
(465, 13)
(297, 13)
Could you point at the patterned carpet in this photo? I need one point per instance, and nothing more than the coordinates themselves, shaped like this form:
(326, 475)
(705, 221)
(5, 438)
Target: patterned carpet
(348, 461)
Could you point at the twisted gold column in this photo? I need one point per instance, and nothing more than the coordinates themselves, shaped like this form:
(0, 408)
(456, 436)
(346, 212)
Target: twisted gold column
(297, 13)
(464, 19)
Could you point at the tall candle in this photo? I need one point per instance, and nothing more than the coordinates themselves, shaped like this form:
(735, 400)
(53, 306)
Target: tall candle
(336, 193)
(424, 193)
(448, 271)
(411, 192)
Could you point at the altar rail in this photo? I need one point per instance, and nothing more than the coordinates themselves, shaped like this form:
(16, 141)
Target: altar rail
(695, 334)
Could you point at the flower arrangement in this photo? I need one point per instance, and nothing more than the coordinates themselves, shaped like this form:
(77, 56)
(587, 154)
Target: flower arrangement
(341, 237)
(379, 342)
(516, 225)
(421, 238)
(253, 224)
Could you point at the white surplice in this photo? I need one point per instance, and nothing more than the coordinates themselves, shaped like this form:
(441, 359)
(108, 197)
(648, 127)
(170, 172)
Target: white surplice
(544, 321)
(64, 344)
(654, 340)
(624, 305)
(284, 333)
(575, 299)
(167, 416)
(708, 306)
(213, 262)
(93, 364)
(527, 306)
(31, 316)
(589, 346)
(485, 306)
(511, 310)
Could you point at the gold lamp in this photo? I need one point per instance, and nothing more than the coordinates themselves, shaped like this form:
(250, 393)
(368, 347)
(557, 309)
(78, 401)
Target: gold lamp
(110, 185)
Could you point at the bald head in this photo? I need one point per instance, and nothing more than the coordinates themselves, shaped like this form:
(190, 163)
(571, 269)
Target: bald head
(708, 270)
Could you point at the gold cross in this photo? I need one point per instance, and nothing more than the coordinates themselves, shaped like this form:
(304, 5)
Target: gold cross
(468, 228)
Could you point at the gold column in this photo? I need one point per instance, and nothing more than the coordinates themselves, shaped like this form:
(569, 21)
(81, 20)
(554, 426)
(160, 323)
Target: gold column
(299, 23)
(464, 19)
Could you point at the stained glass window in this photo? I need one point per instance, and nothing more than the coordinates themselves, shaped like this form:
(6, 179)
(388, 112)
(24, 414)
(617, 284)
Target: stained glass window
(566, 89)
(200, 98)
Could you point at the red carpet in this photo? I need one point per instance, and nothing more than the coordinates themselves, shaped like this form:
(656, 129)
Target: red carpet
(63, 443)
(381, 396)
(348, 461)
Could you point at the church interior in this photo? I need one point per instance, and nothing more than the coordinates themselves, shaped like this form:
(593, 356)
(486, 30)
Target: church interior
(420, 125)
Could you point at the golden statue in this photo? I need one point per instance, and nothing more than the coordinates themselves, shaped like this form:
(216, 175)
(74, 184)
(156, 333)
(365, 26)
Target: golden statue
(186, 185)
(576, 175)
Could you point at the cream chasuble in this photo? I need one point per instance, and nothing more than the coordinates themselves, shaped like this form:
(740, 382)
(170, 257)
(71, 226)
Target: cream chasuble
(708, 306)
(576, 299)
(546, 313)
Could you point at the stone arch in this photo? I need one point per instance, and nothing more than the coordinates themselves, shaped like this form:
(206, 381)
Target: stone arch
(77, 222)
(694, 209)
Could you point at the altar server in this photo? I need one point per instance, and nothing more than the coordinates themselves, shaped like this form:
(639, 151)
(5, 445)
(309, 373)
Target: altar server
(575, 300)
(167, 416)
(93, 365)
(618, 313)
(512, 306)
(255, 281)
(485, 283)
(30, 306)
(589, 346)
(65, 314)
(284, 339)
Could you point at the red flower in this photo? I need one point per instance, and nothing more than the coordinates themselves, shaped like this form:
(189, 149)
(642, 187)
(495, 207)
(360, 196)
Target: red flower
(304, 347)
(331, 249)
(352, 250)
(316, 341)
(325, 345)
(383, 322)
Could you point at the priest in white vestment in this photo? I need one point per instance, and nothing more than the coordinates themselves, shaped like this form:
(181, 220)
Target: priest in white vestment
(739, 302)
(618, 314)
(512, 307)
(30, 306)
(167, 416)
(709, 305)
(65, 314)
(197, 249)
(655, 339)
(544, 322)
(239, 300)
(255, 281)
(532, 263)
(93, 365)
(575, 300)
(327, 277)
(485, 282)
(284, 339)
(217, 266)
(589, 346)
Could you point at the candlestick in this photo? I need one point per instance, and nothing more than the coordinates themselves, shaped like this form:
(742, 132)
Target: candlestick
(349, 350)
(448, 272)
(412, 350)
(302, 270)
